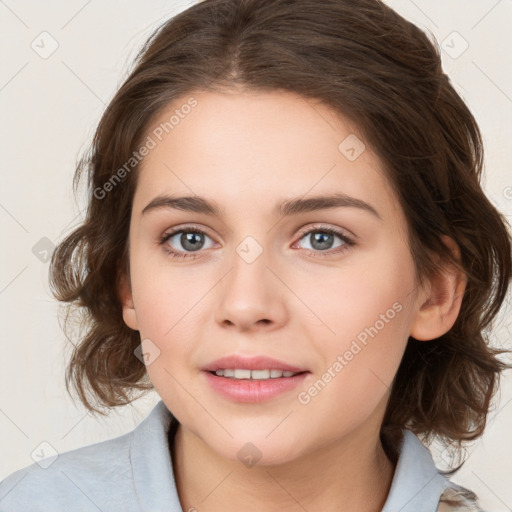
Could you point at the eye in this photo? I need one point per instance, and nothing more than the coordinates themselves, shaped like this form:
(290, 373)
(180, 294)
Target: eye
(188, 240)
(322, 239)
(183, 243)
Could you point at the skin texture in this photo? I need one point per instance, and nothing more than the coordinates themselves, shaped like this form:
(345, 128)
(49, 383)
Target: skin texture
(248, 151)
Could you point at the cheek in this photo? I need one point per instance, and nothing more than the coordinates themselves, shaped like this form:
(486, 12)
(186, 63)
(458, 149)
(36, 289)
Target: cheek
(168, 302)
(165, 296)
(366, 314)
(166, 316)
(371, 292)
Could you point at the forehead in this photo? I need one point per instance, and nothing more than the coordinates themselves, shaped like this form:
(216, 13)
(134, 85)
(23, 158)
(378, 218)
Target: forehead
(236, 147)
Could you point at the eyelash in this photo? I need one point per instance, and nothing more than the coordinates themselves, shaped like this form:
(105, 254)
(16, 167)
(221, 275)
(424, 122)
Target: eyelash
(348, 242)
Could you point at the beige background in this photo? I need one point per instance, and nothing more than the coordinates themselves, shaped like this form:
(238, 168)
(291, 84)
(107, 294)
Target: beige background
(49, 109)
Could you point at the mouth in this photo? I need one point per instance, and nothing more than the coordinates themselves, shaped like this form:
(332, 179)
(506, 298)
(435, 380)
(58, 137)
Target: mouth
(233, 366)
(250, 390)
(252, 379)
(241, 374)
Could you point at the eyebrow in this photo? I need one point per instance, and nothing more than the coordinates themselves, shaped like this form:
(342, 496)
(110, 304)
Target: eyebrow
(287, 207)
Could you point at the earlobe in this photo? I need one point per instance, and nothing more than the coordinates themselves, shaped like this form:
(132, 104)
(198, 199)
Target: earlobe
(440, 305)
(125, 295)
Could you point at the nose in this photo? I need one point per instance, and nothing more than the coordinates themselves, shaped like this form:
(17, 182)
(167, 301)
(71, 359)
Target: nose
(252, 295)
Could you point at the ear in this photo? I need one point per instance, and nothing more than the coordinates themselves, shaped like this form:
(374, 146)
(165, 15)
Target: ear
(125, 295)
(439, 304)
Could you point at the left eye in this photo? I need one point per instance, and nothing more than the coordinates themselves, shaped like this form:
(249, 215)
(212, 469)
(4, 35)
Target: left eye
(323, 239)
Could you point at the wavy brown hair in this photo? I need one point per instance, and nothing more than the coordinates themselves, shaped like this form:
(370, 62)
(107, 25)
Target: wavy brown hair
(363, 60)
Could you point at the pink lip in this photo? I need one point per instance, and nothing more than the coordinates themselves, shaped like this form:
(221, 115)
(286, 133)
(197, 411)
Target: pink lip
(251, 363)
(251, 390)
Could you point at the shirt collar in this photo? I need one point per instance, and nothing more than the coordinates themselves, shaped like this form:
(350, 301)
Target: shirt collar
(151, 464)
(416, 486)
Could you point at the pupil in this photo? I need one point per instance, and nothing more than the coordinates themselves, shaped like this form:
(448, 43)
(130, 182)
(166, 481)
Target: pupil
(321, 240)
(191, 241)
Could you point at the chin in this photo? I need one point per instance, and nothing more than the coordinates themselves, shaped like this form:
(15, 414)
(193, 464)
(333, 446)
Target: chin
(256, 447)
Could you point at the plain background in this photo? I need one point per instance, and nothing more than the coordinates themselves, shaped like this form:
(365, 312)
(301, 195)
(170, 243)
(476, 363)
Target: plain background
(50, 105)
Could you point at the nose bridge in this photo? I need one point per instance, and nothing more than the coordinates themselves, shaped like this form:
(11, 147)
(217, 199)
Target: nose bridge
(249, 262)
(250, 293)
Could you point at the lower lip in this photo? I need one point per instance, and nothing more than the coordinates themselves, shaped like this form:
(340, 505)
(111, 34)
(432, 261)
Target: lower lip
(252, 390)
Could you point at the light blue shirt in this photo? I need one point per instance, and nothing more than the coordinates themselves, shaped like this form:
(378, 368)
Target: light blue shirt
(133, 473)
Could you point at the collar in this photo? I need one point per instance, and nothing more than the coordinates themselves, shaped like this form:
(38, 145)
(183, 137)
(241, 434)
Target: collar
(417, 484)
(416, 487)
(151, 464)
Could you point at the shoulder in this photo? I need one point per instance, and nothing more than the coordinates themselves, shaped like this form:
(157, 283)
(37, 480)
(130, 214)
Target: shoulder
(75, 479)
(111, 476)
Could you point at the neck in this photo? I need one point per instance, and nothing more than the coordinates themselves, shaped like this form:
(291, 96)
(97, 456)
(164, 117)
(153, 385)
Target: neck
(352, 474)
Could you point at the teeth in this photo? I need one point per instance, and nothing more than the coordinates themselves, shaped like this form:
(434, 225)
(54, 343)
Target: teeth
(253, 374)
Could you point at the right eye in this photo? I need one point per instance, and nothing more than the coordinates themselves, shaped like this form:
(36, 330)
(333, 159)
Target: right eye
(191, 240)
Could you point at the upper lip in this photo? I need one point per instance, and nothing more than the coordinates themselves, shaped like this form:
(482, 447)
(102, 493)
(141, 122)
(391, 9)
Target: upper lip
(251, 363)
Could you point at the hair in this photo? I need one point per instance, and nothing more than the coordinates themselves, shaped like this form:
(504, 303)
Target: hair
(367, 63)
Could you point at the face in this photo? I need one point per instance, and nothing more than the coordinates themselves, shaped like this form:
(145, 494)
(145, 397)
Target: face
(326, 287)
